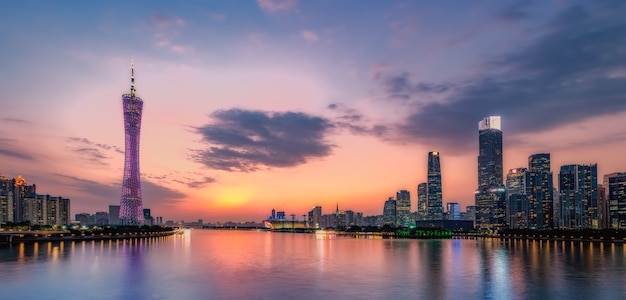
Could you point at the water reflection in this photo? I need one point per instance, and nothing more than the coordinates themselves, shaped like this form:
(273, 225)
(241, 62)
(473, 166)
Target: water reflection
(215, 264)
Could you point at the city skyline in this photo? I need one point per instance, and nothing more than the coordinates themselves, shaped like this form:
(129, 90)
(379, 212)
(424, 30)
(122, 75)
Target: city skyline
(291, 104)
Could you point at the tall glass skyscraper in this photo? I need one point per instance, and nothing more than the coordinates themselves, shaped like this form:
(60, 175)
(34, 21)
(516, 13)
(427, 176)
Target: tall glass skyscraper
(615, 185)
(403, 208)
(491, 194)
(131, 208)
(578, 198)
(540, 192)
(422, 201)
(489, 152)
(435, 205)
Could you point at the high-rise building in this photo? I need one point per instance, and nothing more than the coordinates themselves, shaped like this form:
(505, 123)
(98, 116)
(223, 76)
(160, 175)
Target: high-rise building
(403, 208)
(490, 196)
(615, 185)
(517, 198)
(6, 206)
(454, 211)
(578, 205)
(435, 204)
(603, 208)
(422, 201)
(131, 207)
(114, 214)
(489, 152)
(315, 216)
(540, 192)
(147, 217)
(389, 212)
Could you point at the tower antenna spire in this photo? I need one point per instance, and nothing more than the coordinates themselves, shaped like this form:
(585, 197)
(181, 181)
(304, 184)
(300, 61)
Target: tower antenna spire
(132, 77)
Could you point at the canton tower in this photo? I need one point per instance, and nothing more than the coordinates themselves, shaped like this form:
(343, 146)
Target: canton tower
(131, 208)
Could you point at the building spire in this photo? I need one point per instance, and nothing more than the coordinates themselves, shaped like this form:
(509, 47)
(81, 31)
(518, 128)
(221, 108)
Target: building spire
(132, 77)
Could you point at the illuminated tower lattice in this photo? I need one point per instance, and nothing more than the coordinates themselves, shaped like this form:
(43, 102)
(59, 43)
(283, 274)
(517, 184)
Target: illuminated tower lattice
(131, 208)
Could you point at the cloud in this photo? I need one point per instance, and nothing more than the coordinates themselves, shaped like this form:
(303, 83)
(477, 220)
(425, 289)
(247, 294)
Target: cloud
(562, 77)
(9, 149)
(16, 120)
(151, 193)
(91, 151)
(353, 121)
(273, 6)
(15, 154)
(167, 29)
(248, 140)
(200, 183)
(399, 86)
(309, 36)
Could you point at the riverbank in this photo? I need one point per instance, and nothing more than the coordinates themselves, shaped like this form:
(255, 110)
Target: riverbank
(16, 237)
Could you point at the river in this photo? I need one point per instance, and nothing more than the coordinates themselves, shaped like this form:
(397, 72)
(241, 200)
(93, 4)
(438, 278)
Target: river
(233, 264)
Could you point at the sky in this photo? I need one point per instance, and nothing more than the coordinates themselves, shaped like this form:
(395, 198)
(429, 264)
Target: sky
(251, 106)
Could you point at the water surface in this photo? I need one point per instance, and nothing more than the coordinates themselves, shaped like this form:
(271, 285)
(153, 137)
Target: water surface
(232, 264)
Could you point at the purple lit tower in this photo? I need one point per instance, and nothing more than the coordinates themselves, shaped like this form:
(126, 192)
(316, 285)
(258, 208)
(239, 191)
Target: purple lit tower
(131, 208)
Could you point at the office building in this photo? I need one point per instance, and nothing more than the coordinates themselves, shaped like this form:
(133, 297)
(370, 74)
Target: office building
(389, 212)
(435, 204)
(578, 205)
(615, 185)
(490, 197)
(114, 214)
(403, 208)
(454, 211)
(540, 192)
(517, 198)
(422, 201)
(315, 216)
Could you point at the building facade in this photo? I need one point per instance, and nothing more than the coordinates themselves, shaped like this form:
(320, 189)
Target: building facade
(422, 201)
(434, 197)
(517, 198)
(389, 212)
(578, 197)
(540, 192)
(615, 185)
(490, 197)
(403, 208)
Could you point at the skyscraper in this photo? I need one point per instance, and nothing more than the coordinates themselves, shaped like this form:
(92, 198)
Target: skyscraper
(389, 212)
(403, 208)
(540, 192)
(435, 205)
(615, 185)
(454, 211)
(131, 208)
(422, 201)
(578, 198)
(491, 194)
(489, 152)
(517, 198)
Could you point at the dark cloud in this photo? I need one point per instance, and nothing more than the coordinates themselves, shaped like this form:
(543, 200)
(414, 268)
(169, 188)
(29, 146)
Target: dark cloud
(92, 151)
(200, 183)
(15, 120)
(15, 154)
(400, 86)
(249, 140)
(574, 71)
(9, 148)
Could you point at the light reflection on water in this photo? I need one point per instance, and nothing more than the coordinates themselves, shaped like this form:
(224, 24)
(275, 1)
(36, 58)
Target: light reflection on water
(211, 264)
